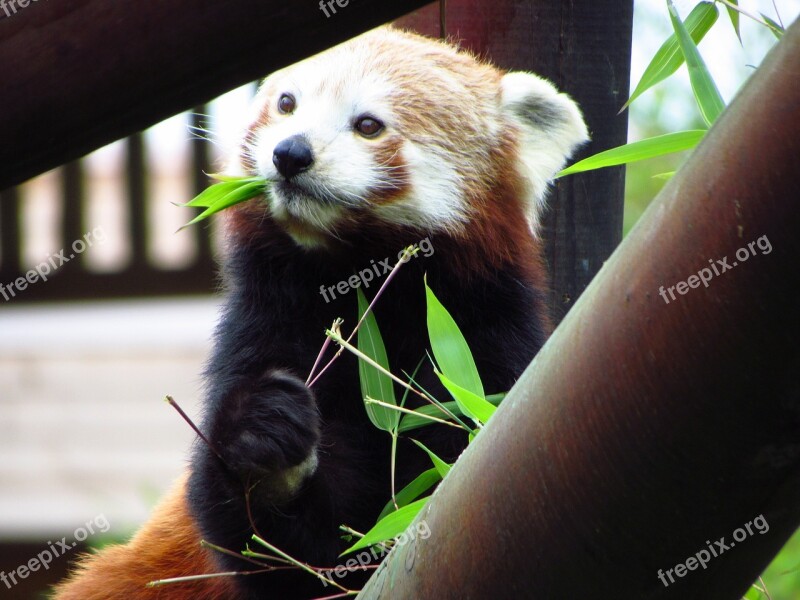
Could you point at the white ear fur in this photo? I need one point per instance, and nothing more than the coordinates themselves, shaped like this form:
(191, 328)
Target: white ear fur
(551, 127)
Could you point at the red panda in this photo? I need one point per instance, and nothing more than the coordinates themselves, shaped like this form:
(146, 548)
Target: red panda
(378, 143)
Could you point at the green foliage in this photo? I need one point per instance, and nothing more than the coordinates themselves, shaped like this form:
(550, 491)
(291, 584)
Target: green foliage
(228, 192)
(459, 376)
(421, 415)
(706, 94)
(442, 467)
(450, 348)
(390, 526)
(423, 482)
(375, 383)
(641, 150)
(669, 57)
(475, 407)
(677, 49)
(776, 29)
(734, 17)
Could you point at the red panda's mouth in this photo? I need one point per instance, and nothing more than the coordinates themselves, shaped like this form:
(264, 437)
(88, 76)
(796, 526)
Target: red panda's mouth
(290, 190)
(294, 199)
(303, 211)
(295, 193)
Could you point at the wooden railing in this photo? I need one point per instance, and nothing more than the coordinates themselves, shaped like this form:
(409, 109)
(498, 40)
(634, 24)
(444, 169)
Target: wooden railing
(140, 275)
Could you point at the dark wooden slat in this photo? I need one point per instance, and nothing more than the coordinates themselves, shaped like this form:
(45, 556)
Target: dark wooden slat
(10, 239)
(71, 283)
(87, 73)
(72, 193)
(136, 196)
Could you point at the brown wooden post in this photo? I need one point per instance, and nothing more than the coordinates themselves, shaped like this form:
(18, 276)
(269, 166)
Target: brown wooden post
(584, 47)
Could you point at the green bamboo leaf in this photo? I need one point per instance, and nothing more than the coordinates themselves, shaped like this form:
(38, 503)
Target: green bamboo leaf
(234, 178)
(238, 194)
(666, 176)
(496, 399)
(211, 195)
(776, 29)
(734, 16)
(413, 490)
(708, 98)
(217, 191)
(450, 348)
(389, 527)
(440, 465)
(411, 422)
(669, 57)
(454, 416)
(641, 150)
(472, 405)
(374, 383)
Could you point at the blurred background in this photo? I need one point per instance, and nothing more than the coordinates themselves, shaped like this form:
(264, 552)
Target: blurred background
(87, 357)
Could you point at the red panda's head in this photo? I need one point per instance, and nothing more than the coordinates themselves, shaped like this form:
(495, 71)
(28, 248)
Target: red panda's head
(404, 130)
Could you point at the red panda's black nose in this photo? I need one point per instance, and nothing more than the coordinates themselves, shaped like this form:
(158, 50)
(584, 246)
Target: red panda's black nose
(292, 156)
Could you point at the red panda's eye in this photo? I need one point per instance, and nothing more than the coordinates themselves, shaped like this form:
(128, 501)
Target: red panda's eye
(286, 104)
(369, 127)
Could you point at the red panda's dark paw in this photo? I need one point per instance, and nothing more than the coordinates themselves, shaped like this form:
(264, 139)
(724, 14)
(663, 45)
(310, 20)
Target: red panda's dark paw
(273, 432)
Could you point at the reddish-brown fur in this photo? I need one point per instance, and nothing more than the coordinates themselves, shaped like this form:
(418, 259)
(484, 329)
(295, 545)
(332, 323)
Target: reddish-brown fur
(167, 546)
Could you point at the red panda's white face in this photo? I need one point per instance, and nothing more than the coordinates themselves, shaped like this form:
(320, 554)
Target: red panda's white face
(402, 129)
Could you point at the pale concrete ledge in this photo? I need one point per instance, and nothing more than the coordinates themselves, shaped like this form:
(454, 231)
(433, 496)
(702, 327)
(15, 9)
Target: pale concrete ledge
(83, 426)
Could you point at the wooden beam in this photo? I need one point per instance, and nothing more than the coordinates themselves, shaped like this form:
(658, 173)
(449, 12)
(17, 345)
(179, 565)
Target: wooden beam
(79, 75)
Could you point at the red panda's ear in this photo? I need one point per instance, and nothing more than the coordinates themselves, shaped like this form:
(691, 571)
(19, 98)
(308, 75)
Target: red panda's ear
(551, 128)
(536, 104)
